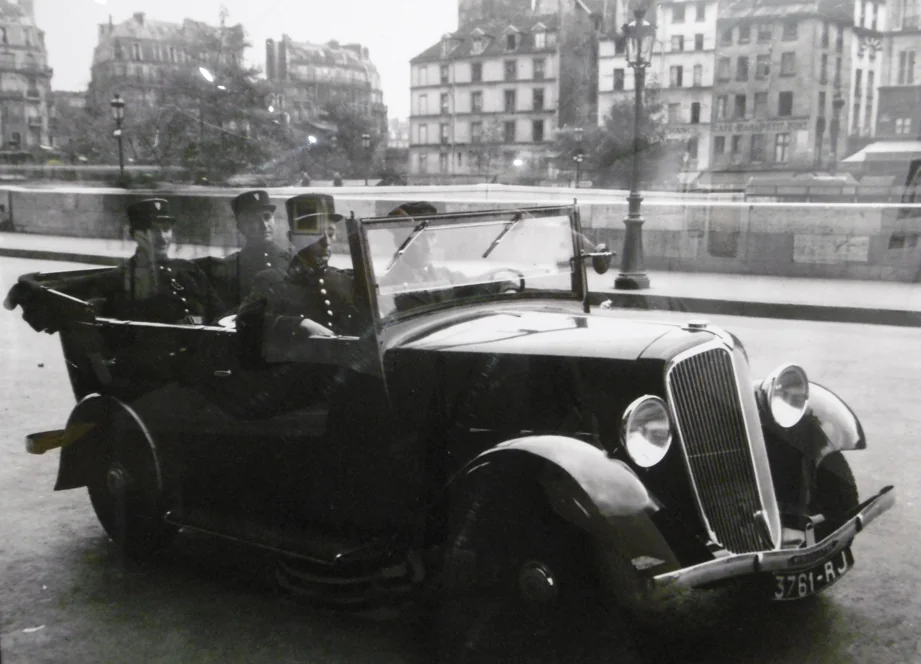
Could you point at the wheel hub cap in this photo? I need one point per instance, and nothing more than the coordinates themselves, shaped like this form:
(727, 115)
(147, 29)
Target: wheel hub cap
(537, 585)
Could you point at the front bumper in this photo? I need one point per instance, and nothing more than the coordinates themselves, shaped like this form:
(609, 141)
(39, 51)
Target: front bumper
(785, 560)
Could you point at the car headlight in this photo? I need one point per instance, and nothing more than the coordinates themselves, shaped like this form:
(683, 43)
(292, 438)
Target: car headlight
(646, 431)
(786, 395)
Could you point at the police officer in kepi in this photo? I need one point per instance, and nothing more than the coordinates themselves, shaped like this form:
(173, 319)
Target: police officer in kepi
(310, 298)
(151, 286)
(255, 216)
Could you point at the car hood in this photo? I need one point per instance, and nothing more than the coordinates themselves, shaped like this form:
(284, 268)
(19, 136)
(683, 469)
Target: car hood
(542, 333)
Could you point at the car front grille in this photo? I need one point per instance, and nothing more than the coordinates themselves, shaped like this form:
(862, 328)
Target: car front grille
(712, 428)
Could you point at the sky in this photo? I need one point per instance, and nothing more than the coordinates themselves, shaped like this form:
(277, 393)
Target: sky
(393, 30)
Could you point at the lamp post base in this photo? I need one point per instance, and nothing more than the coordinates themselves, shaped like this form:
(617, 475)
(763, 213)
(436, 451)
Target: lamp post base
(631, 281)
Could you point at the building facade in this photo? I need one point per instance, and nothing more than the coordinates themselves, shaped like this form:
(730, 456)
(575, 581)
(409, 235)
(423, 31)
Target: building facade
(25, 80)
(681, 72)
(137, 57)
(870, 24)
(487, 100)
(899, 114)
(306, 77)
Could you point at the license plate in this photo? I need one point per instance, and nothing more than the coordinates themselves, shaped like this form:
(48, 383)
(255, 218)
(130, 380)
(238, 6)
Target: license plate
(803, 583)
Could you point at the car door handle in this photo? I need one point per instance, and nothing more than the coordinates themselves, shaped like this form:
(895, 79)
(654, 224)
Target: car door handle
(223, 373)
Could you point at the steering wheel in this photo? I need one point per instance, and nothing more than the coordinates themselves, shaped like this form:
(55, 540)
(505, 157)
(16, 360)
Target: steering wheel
(515, 284)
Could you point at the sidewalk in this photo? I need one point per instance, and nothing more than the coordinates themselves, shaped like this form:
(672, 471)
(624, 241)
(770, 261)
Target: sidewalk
(831, 300)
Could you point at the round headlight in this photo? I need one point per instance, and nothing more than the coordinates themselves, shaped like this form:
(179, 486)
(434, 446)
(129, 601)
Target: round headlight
(786, 392)
(646, 431)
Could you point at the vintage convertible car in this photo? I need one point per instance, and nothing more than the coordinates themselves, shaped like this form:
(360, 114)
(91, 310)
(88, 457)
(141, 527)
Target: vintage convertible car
(509, 445)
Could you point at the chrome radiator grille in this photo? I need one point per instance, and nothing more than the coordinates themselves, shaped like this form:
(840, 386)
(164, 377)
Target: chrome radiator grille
(706, 401)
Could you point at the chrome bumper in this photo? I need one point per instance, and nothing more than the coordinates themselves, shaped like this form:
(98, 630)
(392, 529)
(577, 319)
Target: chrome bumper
(782, 560)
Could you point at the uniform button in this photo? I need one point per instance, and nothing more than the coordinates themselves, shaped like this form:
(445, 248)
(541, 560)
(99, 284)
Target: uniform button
(322, 282)
(329, 312)
(327, 303)
(322, 291)
(184, 300)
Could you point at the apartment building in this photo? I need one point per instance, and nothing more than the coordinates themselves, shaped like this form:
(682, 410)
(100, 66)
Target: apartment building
(899, 111)
(870, 21)
(681, 73)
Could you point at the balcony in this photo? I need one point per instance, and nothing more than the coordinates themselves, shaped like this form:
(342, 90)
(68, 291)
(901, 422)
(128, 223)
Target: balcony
(33, 94)
(35, 121)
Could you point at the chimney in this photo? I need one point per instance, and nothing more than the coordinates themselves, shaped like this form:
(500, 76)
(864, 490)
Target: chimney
(270, 59)
(139, 17)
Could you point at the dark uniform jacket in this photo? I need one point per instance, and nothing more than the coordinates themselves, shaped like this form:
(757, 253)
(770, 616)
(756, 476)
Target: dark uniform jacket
(237, 272)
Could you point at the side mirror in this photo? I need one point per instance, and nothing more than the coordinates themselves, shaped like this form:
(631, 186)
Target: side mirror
(601, 258)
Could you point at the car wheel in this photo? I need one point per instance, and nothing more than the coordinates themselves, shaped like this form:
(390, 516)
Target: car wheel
(521, 584)
(835, 493)
(136, 523)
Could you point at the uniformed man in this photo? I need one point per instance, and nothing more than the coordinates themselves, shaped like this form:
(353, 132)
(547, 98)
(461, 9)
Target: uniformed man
(310, 297)
(151, 286)
(255, 216)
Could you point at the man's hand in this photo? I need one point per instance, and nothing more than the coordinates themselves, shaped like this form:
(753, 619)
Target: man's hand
(314, 329)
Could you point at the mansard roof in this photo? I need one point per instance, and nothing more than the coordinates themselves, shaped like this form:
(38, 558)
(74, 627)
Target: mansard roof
(492, 32)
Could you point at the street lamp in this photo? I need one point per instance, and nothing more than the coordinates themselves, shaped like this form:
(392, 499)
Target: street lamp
(366, 144)
(118, 114)
(579, 156)
(640, 36)
(837, 103)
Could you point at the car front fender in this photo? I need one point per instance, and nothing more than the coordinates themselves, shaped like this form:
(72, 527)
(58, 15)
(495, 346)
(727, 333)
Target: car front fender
(829, 425)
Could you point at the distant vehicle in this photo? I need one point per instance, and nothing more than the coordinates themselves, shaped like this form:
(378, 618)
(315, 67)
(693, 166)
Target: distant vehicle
(488, 438)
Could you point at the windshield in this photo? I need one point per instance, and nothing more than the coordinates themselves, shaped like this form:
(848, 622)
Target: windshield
(479, 257)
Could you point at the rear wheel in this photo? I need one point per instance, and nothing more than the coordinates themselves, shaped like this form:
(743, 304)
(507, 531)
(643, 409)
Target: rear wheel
(520, 584)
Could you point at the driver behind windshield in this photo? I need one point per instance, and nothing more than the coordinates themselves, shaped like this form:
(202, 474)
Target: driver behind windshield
(414, 265)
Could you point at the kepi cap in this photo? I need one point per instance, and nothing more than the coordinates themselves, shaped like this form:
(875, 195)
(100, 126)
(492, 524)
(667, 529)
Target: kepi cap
(142, 213)
(251, 200)
(413, 209)
(307, 212)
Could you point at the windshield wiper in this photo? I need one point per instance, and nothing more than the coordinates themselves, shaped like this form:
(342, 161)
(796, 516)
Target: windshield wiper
(505, 231)
(403, 247)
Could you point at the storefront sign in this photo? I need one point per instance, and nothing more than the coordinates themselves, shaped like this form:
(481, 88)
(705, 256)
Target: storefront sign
(761, 127)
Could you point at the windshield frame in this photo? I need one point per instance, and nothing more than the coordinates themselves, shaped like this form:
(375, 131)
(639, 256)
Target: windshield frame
(500, 217)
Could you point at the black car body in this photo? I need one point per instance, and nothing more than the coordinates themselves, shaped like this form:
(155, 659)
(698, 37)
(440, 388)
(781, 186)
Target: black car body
(358, 455)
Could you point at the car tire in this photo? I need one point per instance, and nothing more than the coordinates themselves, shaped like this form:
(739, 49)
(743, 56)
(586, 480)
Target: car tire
(496, 603)
(143, 530)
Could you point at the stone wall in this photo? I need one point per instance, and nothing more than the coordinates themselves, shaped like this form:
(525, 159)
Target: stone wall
(858, 241)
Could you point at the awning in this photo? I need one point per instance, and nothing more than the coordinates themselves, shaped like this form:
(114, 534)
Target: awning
(886, 151)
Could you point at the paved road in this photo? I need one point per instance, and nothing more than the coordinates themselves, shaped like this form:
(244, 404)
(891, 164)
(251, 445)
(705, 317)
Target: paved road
(204, 602)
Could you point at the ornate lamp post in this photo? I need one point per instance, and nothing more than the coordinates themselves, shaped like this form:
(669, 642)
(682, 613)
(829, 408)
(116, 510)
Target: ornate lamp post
(579, 157)
(118, 114)
(640, 36)
(837, 103)
(366, 144)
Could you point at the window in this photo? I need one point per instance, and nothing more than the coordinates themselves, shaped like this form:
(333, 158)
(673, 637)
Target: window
(511, 101)
(539, 68)
(479, 45)
(823, 69)
(781, 146)
(762, 67)
(761, 104)
(551, 38)
(821, 104)
(476, 72)
(511, 70)
(537, 131)
(423, 134)
(701, 11)
(443, 134)
(726, 38)
(871, 83)
(719, 144)
(739, 108)
(698, 75)
(459, 158)
(476, 132)
(721, 107)
(903, 125)
(444, 74)
(837, 72)
(540, 39)
(443, 162)
(423, 104)
(765, 32)
(698, 42)
(537, 99)
(423, 163)
(785, 104)
(135, 51)
(476, 102)
(445, 103)
(723, 69)
(423, 75)
(508, 132)
(788, 64)
(676, 75)
(674, 113)
(757, 147)
(172, 54)
(789, 33)
(695, 112)
(692, 148)
(677, 13)
(855, 119)
(742, 68)
(618, 79)
(858, 82)
(745, 33)
(511, 41)
(736, 148)
(620, 45)
(906, 67)
(677, 42)
(825, 28)
(839, 40)
(3, 37)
